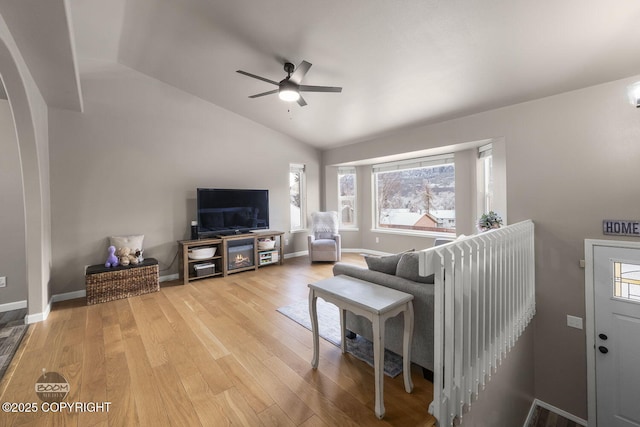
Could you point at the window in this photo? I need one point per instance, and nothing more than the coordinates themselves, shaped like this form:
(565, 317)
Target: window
(626, 281)
(297, 197)
(416, 195)
(347, 191)
(486, 178)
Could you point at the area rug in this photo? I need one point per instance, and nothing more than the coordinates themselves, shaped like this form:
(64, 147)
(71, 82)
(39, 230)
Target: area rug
(11, 335)
(329, 329)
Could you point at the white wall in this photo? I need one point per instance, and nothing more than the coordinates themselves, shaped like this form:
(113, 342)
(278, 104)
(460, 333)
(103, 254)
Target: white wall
(571, 161)
(131, 163)
(13, 264)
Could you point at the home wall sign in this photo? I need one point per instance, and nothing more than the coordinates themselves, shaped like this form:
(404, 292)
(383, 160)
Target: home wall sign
(619, 227)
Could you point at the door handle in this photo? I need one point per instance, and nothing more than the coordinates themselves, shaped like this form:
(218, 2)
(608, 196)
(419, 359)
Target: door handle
(603, 349)
(603, 337)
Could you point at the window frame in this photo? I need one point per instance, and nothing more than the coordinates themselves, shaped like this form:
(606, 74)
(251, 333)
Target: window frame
(348, 170)
(302, 190)
(486, 181)
(414, 163)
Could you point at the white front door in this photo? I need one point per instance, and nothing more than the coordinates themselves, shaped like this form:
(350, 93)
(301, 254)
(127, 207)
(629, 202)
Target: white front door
(616, 283)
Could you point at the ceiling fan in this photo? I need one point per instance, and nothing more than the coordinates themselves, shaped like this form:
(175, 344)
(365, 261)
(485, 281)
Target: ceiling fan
(290, 87)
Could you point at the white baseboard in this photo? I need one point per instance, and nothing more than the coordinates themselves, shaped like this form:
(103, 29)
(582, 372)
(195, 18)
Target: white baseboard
(558, 411)
(169, 277)
(344, 250)
(39, 317)
(296, 254)
(13, 306)
(364, 251)
(69, 295)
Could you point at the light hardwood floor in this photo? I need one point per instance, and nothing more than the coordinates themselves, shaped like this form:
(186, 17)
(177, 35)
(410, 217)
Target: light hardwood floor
(211, 353)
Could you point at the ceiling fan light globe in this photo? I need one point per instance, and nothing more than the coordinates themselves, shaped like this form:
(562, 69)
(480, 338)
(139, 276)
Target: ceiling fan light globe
(288, 95)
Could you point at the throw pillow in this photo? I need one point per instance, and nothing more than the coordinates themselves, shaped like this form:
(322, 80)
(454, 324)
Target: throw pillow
(384, 264)
(408, 267)
(132, 242)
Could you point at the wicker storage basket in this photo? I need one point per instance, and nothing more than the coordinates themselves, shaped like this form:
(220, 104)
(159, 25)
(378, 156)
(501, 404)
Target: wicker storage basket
(109, 284)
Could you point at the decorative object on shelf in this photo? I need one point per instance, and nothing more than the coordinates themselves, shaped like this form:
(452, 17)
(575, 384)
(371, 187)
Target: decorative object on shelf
(112, 259)
(266, 244)
(489, 221)
(202, 253)
(194, 230)
(204, 269)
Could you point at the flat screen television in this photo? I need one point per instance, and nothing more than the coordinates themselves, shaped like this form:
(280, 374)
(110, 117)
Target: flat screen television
(225, 211)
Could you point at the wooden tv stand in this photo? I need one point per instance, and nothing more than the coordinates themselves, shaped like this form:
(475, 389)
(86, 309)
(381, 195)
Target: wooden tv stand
(261, 258)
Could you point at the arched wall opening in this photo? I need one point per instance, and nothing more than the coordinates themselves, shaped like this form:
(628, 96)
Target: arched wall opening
(30, 119)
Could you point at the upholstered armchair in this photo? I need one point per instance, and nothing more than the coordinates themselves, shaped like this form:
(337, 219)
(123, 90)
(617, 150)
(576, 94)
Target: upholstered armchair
(324, 243)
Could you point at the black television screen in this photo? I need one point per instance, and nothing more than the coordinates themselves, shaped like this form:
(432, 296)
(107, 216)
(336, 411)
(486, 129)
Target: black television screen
(226, 211)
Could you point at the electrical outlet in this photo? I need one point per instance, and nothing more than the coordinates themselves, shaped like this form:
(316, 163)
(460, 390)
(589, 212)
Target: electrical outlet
(377, 239)
(286, 242)
(3, 281)
(574, 322)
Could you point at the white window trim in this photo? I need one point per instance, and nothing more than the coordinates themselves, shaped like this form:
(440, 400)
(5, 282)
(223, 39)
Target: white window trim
(300, 168)
(343, 171)
(403, 165)
(484, 152)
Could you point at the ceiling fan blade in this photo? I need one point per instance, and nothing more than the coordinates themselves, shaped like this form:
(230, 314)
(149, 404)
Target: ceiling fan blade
(302, 102)
(306, 88)
(264, 93)
(300, 72)
(257, 77)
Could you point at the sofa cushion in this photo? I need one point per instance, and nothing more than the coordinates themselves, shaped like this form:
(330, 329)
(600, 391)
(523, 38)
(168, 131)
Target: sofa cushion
(384, 264)
(409, 266)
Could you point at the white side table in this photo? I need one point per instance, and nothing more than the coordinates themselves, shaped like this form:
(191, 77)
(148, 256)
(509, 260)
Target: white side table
(374, 302)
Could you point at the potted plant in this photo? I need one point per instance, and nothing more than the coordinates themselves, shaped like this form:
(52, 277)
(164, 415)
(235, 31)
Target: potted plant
(489, 221)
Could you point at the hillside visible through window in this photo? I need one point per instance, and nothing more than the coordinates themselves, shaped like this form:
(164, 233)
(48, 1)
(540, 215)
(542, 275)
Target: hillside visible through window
(419, 199)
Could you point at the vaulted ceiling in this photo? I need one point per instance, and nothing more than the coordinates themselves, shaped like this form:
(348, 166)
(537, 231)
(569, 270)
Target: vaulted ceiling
(400, 63)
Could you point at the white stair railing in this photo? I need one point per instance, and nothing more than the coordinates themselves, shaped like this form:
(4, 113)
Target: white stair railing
(487, 302)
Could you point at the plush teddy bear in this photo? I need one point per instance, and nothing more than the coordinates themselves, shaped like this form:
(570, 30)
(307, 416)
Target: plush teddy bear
(112, 259)
(126, 257)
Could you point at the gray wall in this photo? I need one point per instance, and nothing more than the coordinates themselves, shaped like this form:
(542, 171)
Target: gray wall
(571, 161)
(13, 263)
(31, 125)
(131, 163)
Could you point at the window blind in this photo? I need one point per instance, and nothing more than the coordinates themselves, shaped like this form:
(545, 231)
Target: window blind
(421, 162)
(346, 170)
(484, 151)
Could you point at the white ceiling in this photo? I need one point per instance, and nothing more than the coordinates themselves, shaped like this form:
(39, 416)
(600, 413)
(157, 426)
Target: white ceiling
(400, 63)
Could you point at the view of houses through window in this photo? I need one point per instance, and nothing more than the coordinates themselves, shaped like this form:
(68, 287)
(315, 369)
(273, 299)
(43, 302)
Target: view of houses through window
(416, 195)
(297, 197)
(347, 191)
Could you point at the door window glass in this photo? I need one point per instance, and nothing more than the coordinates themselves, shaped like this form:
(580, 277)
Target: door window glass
(626, 280)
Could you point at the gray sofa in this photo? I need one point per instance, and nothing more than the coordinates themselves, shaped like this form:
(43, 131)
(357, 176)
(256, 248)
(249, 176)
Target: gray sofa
(405, 279)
